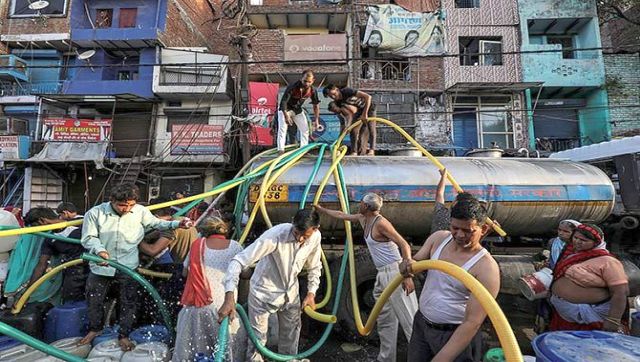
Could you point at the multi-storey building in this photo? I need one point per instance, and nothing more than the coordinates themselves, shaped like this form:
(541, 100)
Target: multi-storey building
(561, 50)
(124, 73)
(484, 80)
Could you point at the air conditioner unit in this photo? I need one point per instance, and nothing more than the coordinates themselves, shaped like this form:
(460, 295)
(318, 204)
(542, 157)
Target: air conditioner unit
(13, 126)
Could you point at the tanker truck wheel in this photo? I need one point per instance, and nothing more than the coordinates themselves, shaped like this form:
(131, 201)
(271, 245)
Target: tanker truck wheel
(365, 279)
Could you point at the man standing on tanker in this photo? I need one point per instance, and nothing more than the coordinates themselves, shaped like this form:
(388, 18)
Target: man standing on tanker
(446, 327)
(290, 110)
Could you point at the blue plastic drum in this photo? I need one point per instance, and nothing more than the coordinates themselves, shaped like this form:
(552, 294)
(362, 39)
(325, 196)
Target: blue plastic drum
(65, 321)
(150, 333)
(579, 346)
(8, 342)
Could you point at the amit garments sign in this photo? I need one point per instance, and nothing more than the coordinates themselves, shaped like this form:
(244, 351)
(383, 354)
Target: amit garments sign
(315, 47)
(76, 130)
(197, 139)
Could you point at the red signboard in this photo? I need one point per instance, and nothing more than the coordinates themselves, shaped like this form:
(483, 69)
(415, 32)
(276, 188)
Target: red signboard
(197, 139)
(75, 130)
(263, 105)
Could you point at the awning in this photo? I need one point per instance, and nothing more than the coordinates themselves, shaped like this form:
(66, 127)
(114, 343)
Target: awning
(72, 152)
(602, 150)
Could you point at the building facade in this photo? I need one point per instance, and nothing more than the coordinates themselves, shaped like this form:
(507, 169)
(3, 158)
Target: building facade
(562, 50)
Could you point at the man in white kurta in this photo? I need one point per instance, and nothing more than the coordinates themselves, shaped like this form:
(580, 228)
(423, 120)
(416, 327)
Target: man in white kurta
(281, 253)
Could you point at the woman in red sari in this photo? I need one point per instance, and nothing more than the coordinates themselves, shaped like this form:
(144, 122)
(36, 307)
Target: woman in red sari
(590, 287)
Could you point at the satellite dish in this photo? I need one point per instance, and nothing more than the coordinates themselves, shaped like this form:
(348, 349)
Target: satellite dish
(87, 54)
(38, 5)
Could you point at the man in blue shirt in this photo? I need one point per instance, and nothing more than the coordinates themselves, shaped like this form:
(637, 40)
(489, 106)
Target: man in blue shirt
(113, 230)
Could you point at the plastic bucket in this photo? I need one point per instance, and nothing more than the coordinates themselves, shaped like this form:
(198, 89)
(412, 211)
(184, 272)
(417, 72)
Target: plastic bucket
(536, 286)
(107, 349)
(148, 352)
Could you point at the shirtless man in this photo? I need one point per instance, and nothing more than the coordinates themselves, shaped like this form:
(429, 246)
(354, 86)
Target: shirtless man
(446, 326)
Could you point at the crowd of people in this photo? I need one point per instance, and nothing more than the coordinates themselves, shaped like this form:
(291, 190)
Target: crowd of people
(589, 289)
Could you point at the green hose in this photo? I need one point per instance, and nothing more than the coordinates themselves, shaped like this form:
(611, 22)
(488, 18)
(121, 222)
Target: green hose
(37, 344)
(138, 278)
(316, 168)
(223, 338)
(281, 357)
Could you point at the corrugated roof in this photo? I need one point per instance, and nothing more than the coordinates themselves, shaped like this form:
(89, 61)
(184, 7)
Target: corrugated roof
(601, 150)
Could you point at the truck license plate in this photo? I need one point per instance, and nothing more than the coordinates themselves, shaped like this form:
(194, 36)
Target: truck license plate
(276, 193)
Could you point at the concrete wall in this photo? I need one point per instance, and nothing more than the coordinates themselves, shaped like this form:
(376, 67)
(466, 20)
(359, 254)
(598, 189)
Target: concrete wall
(219, 112)
(594, 119)
(623, 88)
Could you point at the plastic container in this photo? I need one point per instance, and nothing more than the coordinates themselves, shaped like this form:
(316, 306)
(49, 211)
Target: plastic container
(148, 352)
(635, 324)
(65, 321)
(108, 333)
(8, 242)
(150, 333)
(69, 345)
(201, 357)
(30, 320)
(578, 346)
(107, 349)
(536, 286)
(20, 353)
(8, 342)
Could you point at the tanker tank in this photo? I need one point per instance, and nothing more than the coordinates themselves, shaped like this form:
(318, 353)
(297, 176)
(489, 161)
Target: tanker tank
(526, 196)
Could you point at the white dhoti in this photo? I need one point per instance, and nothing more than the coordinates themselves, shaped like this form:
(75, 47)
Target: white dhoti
(399, 308)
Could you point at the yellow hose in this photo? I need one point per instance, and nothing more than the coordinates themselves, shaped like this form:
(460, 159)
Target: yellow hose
(431, 158)
(25, 297)
(332, 169)
(498, 319)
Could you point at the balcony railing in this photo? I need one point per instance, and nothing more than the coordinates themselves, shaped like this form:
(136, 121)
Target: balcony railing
(18, 89)
(556, 144)
(172, 75)
(13, 67)
(386, 70)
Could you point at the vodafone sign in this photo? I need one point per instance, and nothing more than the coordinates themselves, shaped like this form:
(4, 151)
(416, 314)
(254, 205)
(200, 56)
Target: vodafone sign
(315, 47)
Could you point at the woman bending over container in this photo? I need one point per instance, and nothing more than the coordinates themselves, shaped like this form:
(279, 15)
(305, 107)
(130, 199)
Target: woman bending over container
(206, 265)
(590, 287)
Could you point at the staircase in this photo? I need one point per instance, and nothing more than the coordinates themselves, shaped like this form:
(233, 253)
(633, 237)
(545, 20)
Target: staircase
(125, 173)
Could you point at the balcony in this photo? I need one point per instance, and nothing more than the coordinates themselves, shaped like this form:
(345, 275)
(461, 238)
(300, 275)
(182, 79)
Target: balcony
(298, 14)
(28, 89)
(190, 71)
(139, 87)
(13, 68)
(115, 38)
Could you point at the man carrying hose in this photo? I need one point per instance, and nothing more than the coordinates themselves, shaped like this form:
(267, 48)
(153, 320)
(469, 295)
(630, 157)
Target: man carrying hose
(113, 230)
(281, 252)
(290, 110)
(384, 243)
(447, 324)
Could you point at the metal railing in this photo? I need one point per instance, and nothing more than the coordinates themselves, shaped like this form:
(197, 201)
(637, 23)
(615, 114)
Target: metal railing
(20, 89)
(556, 144)
(386, 70)
(190, 75)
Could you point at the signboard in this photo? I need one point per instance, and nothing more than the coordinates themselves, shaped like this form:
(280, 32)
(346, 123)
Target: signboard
(392, 29)
(315, 47)
(9, 148)
(329, 130)
(197, 139)
(263, 105)
(76, 130)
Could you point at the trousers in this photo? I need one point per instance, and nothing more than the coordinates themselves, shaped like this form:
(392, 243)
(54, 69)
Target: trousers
(300, 121)
(399, 309)
(97, 288)
(288, 320)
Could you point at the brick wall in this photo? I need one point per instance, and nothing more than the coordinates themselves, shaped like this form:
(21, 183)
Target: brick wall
(623, 79)
(192, 24)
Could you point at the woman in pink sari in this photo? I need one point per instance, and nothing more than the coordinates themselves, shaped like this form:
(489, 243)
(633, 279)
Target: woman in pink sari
(206, 265)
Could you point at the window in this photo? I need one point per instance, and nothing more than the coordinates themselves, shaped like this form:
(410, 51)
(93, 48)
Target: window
(20, 8)
(104, 18)
(186, 116)
(467, 4)
(127, 75)
(128, 17)
(566, 42)
(496, 127)
(480, 51)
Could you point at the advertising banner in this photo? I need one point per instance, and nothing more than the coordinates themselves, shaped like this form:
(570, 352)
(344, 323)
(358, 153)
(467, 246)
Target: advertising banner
(315, 47)
(76, 130)
(197, 139)
(263, 105)
(9, 148)
(392, 29)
